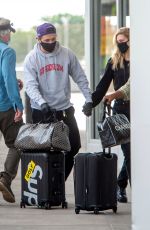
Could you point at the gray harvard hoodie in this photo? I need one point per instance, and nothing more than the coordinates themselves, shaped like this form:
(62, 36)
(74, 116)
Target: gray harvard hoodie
(47, 77)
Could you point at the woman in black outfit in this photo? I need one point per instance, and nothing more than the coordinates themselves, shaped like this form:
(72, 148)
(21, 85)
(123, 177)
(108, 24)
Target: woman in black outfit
(117, 70)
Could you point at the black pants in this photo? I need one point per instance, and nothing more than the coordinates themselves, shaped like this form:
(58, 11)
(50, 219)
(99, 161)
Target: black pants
(125, 173)
(68, 117)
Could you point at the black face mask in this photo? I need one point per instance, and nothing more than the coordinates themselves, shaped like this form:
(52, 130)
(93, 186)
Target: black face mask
(123, 47)
(49, 47)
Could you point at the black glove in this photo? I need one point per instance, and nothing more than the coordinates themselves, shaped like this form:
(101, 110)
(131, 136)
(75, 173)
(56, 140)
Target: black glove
(87, 109)
(45, 109)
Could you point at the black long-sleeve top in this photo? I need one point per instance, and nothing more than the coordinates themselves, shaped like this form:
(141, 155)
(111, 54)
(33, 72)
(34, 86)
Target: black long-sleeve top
(119, 76)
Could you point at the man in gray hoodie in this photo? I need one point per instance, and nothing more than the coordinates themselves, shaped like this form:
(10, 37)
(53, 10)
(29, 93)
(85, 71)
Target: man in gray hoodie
(47, 71)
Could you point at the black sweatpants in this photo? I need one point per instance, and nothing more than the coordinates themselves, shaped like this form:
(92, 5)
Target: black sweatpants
(68, 117)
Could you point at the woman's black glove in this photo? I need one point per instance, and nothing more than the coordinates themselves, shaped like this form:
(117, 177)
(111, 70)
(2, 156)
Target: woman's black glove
(87, 109)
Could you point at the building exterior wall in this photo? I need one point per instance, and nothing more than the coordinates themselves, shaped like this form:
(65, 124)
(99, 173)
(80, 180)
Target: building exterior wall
(140, 110)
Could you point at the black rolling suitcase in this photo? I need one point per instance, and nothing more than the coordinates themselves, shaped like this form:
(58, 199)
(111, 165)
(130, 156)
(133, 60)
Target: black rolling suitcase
(95, 182)
(43, 179)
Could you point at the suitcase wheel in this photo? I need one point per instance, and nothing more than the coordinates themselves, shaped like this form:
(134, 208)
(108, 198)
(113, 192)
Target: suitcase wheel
(65, 205)
(96, 211)
(47, 205)
(77, 210)
(22, 204)
(114, 209)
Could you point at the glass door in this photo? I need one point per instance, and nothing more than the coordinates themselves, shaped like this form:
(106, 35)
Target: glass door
(106, 17)
(106, 27)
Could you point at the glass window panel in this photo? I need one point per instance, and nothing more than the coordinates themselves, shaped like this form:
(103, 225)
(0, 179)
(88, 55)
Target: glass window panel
(108, 26)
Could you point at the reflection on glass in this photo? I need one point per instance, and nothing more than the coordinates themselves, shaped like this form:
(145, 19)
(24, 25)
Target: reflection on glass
(108, 26)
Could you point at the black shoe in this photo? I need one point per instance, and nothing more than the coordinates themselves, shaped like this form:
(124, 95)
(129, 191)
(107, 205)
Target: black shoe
(121, 195)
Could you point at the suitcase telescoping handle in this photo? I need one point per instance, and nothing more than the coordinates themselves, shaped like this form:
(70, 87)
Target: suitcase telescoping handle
(108, 154)
(107, 110)
(109, 151)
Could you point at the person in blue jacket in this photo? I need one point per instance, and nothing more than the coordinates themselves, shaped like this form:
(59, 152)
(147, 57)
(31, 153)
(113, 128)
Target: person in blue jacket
(11, 109)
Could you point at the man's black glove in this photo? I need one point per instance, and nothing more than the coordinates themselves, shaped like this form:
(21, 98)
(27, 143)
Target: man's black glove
(87, 109)
(45, 109)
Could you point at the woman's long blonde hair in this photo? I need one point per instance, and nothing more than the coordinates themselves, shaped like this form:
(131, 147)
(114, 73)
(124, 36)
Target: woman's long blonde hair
(117, 56)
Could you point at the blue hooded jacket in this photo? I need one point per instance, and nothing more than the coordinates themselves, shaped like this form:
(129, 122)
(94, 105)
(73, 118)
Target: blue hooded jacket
(9, 90)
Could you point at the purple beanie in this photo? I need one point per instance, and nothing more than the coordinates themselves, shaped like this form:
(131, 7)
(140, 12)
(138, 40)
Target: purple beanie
(46, 28)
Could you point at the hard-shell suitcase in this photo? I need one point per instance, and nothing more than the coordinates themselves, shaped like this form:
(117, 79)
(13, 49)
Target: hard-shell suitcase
(95, 182)
(43, 179)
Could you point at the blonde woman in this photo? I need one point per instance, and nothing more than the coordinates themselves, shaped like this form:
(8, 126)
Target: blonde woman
(117, 70)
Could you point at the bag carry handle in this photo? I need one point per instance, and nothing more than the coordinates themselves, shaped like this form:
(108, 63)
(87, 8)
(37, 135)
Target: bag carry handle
(52, 117)
(108, 108)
